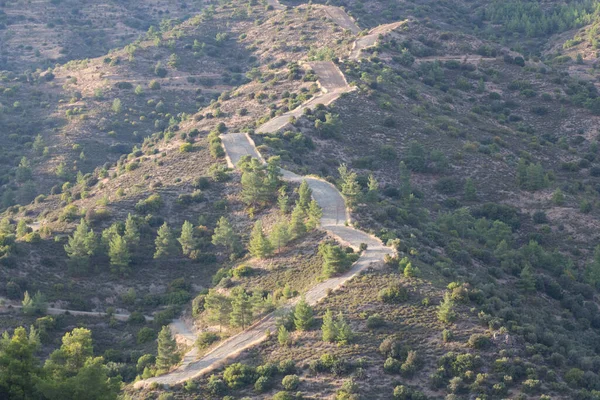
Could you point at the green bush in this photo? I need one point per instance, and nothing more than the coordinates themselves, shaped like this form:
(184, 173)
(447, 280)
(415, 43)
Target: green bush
(395, 293)
(241, 271)
(146, 335)
(152, 204)
(375, 321)
(186, 147)
(479, 341)
(238, 375)
(205, 339)
(262, 384)
(290, 382)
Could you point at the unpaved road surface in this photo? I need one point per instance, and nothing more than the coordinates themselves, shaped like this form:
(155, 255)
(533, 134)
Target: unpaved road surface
(472, 59)
(330, 76)
(371, 38)
(340, 17)
(276, 4)
(333, 83)
(335, 215)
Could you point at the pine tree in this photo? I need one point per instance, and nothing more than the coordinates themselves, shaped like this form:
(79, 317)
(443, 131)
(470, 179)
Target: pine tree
(23, 173)
(80, 247)
(373, 188)
(409, 271)
(132, 234)
(446, 311)
(280, 235)
(225, 236)
(259, 245)
(335, 260)
(405, 187)
(187, 240)
(314, 215)
(118, 253)
(27, 304)
(350, 186)
(241, 308)
(470, 191)
(164, 243)
(305, 194)
(283, 201)
(274, 172)
(283, 336)
(527, 278)
(38, 145)
(256, 183)
(218, 308)
(344, 334)
(303, 315)
(167, 354)
(297, 226)
(328, 329)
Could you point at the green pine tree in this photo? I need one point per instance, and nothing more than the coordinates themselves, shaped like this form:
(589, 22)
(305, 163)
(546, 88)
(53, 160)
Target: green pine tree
(328, 329)
(446, 311)
(303, 315)
(335, 259)
(224, 235)
(218, 308)
(344, 334)
(314, 215)
(118, 253)
(167, 353)
(186, 240)
(132, 233)
(80, 247)
(283, 336)
(241, 308)
(280, 235)
(259, 245)
(283, 201)
(470, 190)
(22, 228)
(164, 243)
(305, 194)
(297, 225)
(527, 278)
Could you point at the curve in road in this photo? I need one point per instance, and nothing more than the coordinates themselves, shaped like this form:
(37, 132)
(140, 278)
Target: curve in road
(335, 216)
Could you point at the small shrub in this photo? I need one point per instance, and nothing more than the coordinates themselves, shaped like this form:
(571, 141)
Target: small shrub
(290, 382)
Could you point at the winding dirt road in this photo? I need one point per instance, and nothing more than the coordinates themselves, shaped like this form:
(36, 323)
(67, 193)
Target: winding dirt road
(334, 220)
(335, 216)
(333, 84)
(370, 39)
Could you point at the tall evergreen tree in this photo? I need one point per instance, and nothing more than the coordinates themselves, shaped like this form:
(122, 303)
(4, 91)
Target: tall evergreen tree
(283, 200)
(187, 240)
(350, 187)
(283, 336)
(132, 233)
(445, 310)
(305, 194)
(335, 260)
(280, 235)
(80, 247)
(297, 225)
(344, 334)
(314, 215)
(164, 243)
(218, 308)
(259, 246)
(224, 235)
(18, 365)
(328, 329)
(118, 252)
(167, 354)
(241, 308)
(303, 315)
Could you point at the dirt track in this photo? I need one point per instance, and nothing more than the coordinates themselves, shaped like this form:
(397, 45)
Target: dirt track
(340, 17)
(332, 82)
(371, 38)
(335, 216)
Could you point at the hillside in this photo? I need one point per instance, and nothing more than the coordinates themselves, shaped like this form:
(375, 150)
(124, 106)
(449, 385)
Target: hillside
(261, 200)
